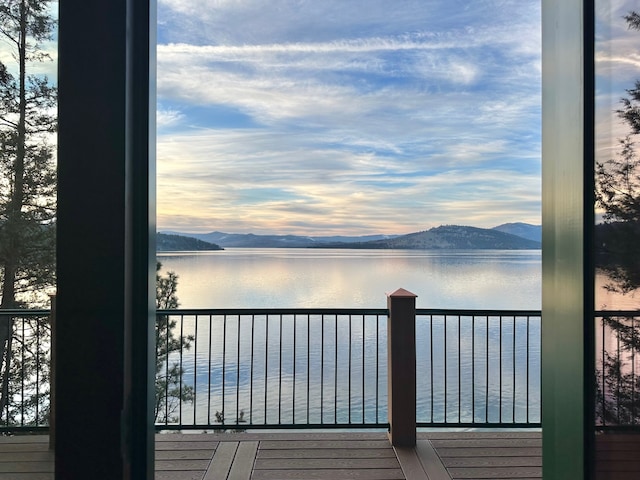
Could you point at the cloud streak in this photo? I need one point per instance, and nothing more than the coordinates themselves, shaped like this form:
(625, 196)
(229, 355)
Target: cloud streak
(383, 122)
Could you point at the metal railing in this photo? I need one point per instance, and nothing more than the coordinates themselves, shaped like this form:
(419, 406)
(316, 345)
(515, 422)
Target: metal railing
(478, 368)
(618, 370)
(326, 368)
(25, 356)
(240, 369)
(278, 368)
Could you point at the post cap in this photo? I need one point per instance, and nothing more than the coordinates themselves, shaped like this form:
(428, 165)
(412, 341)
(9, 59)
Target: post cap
(401, 292)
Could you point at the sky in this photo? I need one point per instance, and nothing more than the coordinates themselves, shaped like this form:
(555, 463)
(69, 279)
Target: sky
(347, 117)
(617, 63)
(359, 117)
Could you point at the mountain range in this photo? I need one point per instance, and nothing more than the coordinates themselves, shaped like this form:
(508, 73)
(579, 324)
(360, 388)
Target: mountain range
(512, 236)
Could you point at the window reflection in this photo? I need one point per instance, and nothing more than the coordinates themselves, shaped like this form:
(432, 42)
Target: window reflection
(617, 240)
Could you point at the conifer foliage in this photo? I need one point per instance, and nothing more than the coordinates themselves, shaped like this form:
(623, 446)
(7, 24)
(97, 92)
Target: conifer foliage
(618, 194)
(171, 390)
(618, 256)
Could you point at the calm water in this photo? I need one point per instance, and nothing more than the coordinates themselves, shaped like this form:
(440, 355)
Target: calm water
(315, 278)
(272, 278)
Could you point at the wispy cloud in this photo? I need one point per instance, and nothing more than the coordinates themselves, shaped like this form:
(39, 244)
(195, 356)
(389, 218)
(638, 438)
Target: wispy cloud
(347, 116)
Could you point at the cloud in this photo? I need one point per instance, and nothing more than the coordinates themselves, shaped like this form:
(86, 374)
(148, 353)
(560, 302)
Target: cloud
(348, 116)
(168, 117)
(284, 188)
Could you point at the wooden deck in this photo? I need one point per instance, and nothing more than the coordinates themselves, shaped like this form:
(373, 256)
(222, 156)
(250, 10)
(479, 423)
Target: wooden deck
(334, 456)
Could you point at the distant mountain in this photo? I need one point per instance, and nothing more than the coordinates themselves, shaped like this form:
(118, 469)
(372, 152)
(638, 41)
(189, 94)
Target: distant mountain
(451, 237)
(249, 240)
(443, 237)
(165, 242)
(524, 230)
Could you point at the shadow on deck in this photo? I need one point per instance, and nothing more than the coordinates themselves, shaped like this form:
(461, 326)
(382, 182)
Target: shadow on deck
(335, 456)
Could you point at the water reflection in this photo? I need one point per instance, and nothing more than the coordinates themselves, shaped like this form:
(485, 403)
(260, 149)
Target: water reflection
(279, 278)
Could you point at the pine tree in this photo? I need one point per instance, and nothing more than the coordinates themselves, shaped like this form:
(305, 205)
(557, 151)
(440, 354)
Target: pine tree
(170, 389)
(618, 194)
(27, 169)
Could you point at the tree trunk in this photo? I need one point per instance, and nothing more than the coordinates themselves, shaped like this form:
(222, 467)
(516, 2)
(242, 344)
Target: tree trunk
(14, 213)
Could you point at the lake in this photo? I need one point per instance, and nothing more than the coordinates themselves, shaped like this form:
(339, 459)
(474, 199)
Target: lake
(232, 366)
(347, 278)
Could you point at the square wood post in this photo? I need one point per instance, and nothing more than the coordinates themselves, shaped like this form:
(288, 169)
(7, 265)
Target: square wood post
(401, 377)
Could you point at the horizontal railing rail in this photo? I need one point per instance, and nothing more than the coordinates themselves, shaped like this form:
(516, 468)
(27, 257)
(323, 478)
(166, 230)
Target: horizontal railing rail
(618, 369)
(240, 369)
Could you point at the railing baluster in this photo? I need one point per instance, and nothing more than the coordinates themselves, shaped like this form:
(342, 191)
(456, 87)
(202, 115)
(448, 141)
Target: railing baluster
(349, 369)
(527, 370)
(619, 379)
(335, 370)
(513, 365)
(459, 372)
(431, 363)
(633, 371)
(180, 373)
(293, 396)
(604, 404)
(500, 367)
(308, 365)
(23, 350)
(473, 368)
(322, 369)
(266, 366)
(195, 368)
(209, 370)
(363, 367)
(446, 369)
(377, 366)
(486, 400)
(238, 374)
(253, 324)
(224, 365)
(37, 371)
(280, 372)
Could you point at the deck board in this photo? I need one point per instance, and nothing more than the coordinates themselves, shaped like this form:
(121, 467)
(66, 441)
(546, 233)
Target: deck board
(288, 455)
(364, 474)
(489, 455)
(327, 453)
(333, 457)
(431, 462)
(243, 462)
(412, 467)
(222, 461)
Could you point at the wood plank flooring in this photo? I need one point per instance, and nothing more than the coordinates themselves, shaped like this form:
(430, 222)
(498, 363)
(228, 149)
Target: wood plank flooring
(296, 455)
(487, 455)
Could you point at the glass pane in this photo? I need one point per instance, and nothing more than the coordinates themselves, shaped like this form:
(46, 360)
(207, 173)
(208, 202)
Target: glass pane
(333, 121)
(617, 235)
(28, 118)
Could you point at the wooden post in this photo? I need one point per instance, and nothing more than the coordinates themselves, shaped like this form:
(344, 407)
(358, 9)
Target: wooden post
(401, 348)
(52, 376)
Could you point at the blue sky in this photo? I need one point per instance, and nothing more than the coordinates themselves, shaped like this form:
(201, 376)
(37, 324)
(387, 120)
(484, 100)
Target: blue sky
(349, 116)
